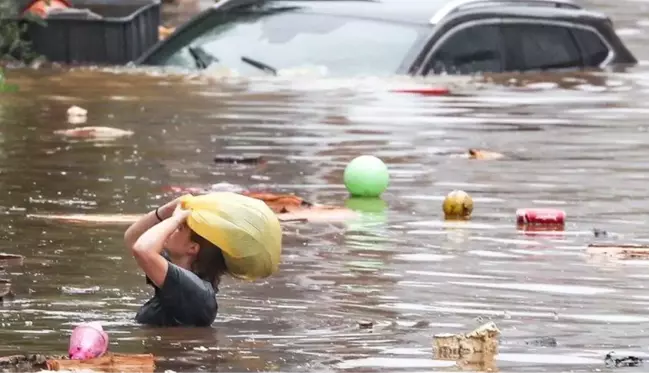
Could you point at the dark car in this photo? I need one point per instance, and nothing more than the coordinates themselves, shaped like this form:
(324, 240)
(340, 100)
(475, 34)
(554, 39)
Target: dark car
(379, 37)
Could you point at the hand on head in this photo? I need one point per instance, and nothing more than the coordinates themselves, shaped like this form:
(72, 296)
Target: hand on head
(171, 208)
(181, 213)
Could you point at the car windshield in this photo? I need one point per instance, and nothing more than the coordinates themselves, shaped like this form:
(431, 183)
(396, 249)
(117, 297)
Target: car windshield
(256, 42)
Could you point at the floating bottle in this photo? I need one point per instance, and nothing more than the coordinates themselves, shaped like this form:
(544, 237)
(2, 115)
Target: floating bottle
(88, 341)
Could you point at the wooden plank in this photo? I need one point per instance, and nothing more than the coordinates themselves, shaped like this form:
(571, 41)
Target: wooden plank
(621, 251)
(110, 362)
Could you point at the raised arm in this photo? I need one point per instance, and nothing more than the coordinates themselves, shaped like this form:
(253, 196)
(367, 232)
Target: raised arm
(146, 237)
(149, 246)
(147, 221)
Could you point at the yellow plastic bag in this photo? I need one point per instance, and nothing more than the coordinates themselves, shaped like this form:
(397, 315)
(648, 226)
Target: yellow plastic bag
(246, 229)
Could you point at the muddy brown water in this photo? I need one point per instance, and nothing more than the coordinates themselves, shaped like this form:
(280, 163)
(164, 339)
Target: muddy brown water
(582, 145)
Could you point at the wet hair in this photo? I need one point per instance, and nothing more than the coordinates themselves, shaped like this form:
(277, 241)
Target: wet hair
(210, 263)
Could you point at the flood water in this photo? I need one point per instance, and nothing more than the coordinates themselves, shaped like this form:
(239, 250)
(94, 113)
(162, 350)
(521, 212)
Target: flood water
(578, 142)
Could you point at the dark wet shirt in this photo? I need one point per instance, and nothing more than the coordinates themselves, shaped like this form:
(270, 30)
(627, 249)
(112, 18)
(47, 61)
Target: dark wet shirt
(183, 300)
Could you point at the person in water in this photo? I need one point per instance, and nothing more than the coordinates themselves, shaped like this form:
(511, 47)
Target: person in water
(184, 268)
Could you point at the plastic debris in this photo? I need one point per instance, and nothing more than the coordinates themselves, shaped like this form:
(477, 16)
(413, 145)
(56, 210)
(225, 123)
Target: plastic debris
(88, 341)
(76, 111)
(458, 205)
(77, 115)
(366, 176)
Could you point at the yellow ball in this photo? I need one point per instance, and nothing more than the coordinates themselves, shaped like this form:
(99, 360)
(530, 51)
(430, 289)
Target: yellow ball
(458, 204)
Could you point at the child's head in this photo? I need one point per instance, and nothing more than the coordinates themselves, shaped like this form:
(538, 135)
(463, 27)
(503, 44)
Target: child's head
(206, 259)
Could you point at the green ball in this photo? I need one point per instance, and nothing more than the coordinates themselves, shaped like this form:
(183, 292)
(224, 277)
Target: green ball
(366, 176)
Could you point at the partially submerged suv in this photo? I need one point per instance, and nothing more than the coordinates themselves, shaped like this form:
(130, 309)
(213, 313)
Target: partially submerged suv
(386, 37)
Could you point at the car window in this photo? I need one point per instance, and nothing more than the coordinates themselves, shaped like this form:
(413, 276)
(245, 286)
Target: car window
(542, 46)
(469, 50)
(593, 49)
(294, 39)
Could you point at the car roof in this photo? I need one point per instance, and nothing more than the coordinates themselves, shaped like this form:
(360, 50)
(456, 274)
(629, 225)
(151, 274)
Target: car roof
(428, 12)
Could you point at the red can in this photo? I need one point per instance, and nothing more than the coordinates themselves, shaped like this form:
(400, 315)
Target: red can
(545, 230)
(540, 216)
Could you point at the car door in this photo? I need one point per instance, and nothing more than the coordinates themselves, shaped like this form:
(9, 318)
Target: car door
(537, 45)
(467, 48)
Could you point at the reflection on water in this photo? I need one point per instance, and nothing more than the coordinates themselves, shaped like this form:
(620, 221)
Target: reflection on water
(574, 141)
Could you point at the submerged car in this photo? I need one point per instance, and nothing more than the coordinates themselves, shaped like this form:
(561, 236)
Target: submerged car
(387, 37)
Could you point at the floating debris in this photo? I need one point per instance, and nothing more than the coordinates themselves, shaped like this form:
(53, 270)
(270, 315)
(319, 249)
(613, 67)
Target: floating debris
(540, 216)
(542, 342)
(94, 132)
(76, 111)
(88, 341)
(108, 363)
(472, 351)
(77, 115)
(477, 154)
(620, 251)
(484, 339)
(366, 176)
(289, 207)
(365, 324)
(625, 361)
(458, 205)
(9, 260)
(424, 91)
(239, 160)
(5, 289)
(484, 155)
(599, 233)
(76, 290)
(280, 203)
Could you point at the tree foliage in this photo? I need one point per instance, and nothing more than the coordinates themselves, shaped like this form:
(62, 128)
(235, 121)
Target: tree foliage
(13, 45)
